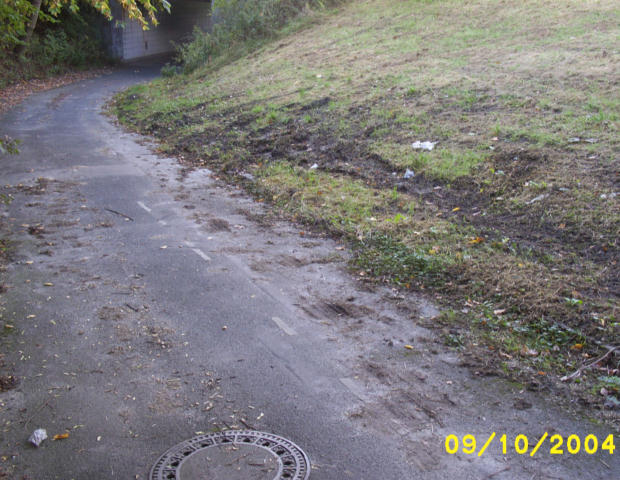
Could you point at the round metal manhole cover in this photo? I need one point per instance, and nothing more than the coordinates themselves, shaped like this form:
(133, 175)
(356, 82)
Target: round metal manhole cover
(233, 455)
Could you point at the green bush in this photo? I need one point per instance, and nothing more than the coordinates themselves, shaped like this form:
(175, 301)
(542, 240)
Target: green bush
(73, 40)
(168, 71)
(237, 22)
(12, 13)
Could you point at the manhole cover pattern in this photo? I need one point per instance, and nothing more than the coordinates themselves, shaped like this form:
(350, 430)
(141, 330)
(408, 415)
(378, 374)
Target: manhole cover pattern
(293, 463)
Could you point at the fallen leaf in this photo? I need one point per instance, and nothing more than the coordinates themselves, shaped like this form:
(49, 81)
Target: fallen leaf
(499, 311)
(528, 352)
(61, 436)
(17, 92)
(476, 240)
(456, 209)
(577, 346)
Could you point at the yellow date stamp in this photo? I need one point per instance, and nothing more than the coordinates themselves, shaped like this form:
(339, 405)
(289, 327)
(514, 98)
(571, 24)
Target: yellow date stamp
(522, 445)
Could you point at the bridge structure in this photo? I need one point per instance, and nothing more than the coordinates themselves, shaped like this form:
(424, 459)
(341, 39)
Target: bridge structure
(127, 40)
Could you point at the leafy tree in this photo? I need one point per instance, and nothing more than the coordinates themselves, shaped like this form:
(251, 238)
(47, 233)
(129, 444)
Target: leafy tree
(14, 16)
(18, 18)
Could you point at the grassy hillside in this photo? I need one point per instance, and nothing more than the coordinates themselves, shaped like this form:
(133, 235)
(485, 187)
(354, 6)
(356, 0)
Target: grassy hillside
(511, 221)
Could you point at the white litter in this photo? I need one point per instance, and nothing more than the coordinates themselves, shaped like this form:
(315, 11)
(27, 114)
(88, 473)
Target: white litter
(538, 198)
(409, 174)
(38, 436)
(314, 167)
(423, 145)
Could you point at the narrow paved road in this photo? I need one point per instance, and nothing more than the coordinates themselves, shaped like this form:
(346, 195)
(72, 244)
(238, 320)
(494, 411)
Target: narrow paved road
(147, 303)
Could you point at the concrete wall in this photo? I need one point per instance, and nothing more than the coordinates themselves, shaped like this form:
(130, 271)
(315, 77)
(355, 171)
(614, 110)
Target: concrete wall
(131, 41)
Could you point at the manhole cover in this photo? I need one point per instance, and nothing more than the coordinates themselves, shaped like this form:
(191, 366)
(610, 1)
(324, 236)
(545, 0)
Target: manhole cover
(233, 455)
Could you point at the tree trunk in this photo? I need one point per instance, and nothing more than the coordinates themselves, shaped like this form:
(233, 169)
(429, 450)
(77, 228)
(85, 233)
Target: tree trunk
(33, 23)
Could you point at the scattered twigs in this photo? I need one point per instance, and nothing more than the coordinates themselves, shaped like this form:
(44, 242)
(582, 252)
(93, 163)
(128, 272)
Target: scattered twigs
(29, 419)
(247, 425)
(577, 372)
(131, 307)
(505, 469)
(237, 460)
(118, 213)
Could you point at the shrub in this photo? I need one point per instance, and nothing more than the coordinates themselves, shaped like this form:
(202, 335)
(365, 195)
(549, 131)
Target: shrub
(168, 71)
(57, 45)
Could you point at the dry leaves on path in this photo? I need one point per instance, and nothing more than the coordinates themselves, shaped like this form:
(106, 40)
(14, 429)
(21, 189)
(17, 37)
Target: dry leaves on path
(15, 94)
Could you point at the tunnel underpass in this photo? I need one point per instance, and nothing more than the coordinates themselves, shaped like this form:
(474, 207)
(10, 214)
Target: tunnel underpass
(127, 40)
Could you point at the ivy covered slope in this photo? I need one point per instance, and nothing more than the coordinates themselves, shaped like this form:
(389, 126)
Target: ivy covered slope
(508, 216)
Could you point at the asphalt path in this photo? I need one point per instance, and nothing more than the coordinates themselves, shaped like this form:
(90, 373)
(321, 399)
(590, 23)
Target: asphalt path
(147, 303)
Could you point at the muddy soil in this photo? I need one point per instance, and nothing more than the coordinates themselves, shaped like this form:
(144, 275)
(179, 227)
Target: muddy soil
(537, 231)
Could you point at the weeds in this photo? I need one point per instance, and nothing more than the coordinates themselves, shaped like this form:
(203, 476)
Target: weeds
(384, 257)
(8, 145)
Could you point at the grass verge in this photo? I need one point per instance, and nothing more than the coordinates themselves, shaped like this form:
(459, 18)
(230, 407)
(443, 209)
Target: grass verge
(510, 221)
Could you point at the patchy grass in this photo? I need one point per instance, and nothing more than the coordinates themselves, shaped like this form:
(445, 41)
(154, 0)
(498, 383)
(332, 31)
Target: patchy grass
(511, 220)
(439, 164)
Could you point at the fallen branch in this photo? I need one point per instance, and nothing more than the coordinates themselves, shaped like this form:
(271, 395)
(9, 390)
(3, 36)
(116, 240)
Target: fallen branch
(577, 372)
